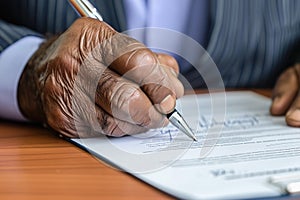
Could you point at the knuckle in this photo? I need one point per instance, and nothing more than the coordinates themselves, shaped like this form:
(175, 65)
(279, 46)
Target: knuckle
(171, 61)
(123, 94)
(145, 56)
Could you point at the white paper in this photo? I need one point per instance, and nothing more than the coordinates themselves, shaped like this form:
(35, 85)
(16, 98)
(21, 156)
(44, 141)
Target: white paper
(240, 147)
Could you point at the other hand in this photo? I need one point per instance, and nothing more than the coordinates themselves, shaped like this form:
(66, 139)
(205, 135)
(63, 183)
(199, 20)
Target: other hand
(286, 96)
(92, 80)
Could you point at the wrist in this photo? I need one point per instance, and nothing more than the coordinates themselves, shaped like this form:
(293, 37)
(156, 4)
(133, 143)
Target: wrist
(29, 95)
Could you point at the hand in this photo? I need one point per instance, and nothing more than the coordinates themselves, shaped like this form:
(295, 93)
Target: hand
(92, 80)
(286, 96)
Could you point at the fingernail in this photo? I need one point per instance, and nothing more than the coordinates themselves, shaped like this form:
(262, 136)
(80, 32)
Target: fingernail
(167, 104)
(293, 115)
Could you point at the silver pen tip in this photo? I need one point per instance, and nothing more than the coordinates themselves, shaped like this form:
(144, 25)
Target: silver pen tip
(194, 138)
(177, 120)
(190, 133)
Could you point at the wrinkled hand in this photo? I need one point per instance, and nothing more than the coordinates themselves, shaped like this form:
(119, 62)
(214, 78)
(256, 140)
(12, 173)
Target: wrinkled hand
(92, 80)
(286, 96)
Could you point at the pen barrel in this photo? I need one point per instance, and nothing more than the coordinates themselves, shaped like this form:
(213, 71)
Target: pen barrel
(85, 9)
(79, 8)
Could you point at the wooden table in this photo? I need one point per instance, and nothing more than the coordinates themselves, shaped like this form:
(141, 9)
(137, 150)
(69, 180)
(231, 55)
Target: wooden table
(36, 164)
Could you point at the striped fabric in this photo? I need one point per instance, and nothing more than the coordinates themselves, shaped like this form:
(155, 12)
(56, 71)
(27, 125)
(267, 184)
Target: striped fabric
(251, 41)
(48, 17)
(262, 37)
(10, 33)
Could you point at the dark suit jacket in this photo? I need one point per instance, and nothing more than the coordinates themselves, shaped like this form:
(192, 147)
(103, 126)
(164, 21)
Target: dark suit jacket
(251, 41)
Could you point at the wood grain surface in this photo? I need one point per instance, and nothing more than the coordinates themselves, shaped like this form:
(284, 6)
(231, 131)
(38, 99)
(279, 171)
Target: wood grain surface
(36, 164)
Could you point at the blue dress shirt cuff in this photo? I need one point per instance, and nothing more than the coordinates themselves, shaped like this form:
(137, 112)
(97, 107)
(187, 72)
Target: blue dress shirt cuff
(12, 62)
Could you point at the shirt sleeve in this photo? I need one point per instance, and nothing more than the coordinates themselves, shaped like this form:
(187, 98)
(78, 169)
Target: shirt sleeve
(12, 62)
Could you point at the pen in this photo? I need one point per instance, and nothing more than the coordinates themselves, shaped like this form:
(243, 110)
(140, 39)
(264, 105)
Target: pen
(86, 9)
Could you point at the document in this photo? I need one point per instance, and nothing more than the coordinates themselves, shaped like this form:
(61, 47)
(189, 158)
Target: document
(240, 147)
